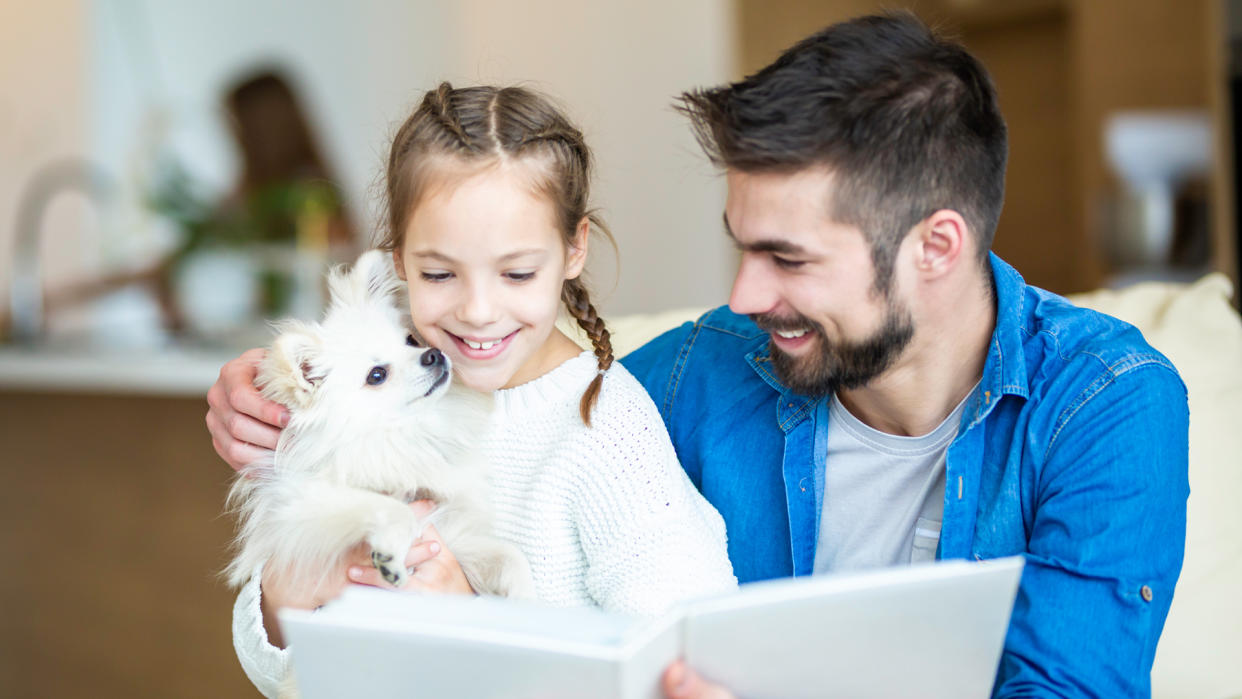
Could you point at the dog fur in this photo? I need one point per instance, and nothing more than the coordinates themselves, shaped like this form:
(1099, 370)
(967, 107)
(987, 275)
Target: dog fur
(375, 422)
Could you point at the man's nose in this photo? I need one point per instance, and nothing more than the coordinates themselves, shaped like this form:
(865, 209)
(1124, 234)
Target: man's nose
(754, 290)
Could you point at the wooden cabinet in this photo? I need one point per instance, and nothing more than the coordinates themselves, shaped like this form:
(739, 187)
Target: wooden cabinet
(1060, 66)
(112, 539)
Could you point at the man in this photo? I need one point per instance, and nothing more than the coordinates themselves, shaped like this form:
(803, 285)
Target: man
(883, 390)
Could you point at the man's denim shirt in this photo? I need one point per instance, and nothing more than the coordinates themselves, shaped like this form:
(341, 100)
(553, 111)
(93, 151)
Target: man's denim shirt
(1072, 451)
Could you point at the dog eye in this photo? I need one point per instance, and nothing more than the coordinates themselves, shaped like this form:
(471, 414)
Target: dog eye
(409, 340)
(377, 376)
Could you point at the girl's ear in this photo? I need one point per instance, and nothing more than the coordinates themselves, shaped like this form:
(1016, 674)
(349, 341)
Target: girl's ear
(575, 258)
(398, 264)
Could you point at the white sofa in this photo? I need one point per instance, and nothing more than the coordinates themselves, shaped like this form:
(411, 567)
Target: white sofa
(1200, 653)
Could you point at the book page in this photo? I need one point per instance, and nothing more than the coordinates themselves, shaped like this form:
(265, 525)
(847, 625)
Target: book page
(929, 631)
(376, 643)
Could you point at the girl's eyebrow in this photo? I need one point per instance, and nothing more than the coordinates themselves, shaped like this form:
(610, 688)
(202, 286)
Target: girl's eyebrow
(523, 253)
(433, 255)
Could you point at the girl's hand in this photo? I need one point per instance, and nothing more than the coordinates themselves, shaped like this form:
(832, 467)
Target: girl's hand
(278, 592)
(244, 426)
(435, 567)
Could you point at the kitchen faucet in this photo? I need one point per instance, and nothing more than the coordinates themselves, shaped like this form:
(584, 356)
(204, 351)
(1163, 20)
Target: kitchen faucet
(26, 288)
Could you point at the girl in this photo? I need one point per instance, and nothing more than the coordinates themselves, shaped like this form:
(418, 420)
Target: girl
(488, 222)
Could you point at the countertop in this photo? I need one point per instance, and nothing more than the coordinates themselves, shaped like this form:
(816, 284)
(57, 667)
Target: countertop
(184, 371)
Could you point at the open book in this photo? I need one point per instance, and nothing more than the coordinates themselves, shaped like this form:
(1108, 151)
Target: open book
(932, 630)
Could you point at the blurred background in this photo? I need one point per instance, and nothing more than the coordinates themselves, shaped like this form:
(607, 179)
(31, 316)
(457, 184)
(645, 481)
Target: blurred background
(172, 173)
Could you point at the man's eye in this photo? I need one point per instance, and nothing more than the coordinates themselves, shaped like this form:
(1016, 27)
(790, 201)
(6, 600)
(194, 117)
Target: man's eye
(784, 263)
(436, 276)
(377, 375)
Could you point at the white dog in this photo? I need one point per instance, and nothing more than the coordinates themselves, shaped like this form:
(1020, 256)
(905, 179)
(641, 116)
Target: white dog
(375, 422)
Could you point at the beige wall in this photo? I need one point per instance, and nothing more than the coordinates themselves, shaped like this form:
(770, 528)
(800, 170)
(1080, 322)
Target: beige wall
(616, 67)
(43, 118)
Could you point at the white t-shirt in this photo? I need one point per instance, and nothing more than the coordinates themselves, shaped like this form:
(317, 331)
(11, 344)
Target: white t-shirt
(883, 494)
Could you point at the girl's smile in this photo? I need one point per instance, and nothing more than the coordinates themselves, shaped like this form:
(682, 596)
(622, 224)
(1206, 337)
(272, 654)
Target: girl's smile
(485, 264)
(479, 348)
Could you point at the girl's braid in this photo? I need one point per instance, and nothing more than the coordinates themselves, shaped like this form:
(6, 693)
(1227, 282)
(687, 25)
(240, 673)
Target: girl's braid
(579, 304)
(441, 103)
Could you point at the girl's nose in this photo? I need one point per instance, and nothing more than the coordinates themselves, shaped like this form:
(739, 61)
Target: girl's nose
(478, 309)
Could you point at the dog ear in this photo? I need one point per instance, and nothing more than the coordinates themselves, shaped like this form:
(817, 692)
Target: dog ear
(372, 279)
(288, 373)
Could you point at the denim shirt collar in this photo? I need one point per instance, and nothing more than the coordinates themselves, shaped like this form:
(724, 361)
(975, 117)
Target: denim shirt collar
(1004, 370)
(792, 407)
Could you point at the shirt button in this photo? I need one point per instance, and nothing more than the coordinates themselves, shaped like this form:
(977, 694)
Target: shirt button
(1145, 591)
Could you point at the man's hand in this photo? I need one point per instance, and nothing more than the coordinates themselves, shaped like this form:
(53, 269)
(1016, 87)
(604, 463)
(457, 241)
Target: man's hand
(435, 567)
(244, 426)
(680, 682)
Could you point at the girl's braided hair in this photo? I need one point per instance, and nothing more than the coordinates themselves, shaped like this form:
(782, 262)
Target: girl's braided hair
(482, 125)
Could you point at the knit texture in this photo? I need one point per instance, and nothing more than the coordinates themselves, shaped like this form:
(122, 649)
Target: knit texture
(605, 515)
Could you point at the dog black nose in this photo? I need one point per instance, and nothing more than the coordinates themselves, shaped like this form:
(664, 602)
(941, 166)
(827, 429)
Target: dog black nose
(432, 357)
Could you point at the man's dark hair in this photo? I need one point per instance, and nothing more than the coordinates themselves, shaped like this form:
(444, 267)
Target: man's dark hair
(907, 122)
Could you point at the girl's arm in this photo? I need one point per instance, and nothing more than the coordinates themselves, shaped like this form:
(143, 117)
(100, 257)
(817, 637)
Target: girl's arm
(257, 638)
(650, 538)
(264, 663)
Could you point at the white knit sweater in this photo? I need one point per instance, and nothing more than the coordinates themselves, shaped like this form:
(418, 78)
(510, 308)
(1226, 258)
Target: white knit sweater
(605, 514)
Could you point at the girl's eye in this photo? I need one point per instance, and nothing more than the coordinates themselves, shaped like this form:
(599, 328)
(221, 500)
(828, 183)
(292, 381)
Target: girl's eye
(377, 376)
(784, 263)
(519, 276)
(436, 276)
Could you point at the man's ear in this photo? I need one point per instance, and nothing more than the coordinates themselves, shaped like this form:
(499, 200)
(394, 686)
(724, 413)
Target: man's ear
(288, 373)
(943, 238)
(575, 257)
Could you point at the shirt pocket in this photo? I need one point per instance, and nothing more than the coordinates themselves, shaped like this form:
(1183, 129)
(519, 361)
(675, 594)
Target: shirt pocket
(926, 539)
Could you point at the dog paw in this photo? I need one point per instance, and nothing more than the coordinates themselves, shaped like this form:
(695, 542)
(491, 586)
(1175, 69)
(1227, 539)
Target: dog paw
(389, 567)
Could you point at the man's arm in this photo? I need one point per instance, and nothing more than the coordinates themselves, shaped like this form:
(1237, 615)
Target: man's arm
(681, 682)
(244, 426)
(1106, 541)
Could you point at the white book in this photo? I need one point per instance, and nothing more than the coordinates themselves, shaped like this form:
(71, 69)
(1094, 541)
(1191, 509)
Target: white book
(932, 630)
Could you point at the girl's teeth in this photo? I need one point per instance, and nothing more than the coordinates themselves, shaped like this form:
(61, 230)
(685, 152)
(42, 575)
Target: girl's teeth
(789, 335)
(481, 345)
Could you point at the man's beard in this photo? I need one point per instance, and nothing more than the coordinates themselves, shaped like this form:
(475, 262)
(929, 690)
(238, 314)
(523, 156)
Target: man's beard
(842, 365)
